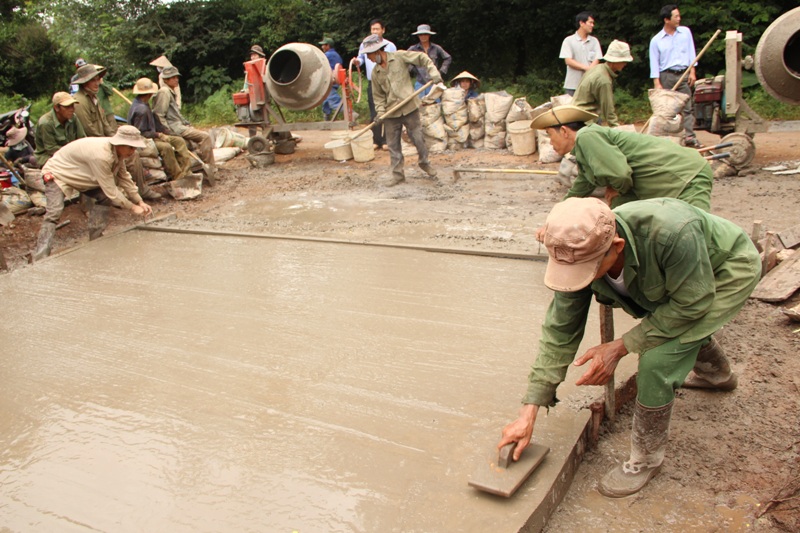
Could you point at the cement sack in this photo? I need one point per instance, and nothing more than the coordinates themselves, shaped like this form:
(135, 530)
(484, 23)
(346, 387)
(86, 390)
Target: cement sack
(497, 106)
(452, 100)
(568, 170)
(150, 162)
(665, 126)
(453, 144)
(428, 114)
(495, 138)
(16, 200)
(547, 153)
(149, 150)
(666, 103)
(476, 109)
(156, 175)
(520, 110)
(433, 122)
(539, 109)
(226, 154)
(434, 144)
(476, 143)
(477, 130)
(561, 99)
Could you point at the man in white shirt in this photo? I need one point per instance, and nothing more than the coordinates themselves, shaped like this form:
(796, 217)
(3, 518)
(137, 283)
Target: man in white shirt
(580, 51)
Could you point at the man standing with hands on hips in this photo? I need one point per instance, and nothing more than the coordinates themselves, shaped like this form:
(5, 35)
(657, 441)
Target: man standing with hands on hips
(671, 53)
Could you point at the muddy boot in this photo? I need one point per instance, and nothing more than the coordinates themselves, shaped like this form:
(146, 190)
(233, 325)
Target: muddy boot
(428, 169)
(44, 242)
(648, 444)
(98, 220)
(395, 179)
(712, 370)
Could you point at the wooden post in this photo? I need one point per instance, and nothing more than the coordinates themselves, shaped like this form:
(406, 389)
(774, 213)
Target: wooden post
(607, 335)
(756, 235)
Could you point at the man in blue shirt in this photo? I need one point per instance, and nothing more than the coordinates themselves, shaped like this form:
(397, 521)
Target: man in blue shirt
(331, 103)
(671, 53)
(376, 27)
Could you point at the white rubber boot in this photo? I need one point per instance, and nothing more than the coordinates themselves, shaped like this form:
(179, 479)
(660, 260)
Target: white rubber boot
(712, 370)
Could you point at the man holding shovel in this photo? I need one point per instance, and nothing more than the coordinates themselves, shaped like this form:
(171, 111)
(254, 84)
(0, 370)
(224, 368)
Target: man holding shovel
(391, 84)
(631, 166)
(683, 271)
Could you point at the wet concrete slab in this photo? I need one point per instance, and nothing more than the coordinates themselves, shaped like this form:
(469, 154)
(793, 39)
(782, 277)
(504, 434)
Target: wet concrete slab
(167, 382)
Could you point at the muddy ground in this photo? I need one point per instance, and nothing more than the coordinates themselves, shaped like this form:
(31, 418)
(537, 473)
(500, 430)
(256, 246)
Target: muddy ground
(733, 462)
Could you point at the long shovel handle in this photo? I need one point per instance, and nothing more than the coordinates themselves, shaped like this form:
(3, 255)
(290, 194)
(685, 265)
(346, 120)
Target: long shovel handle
(696, 59)
(121, 95)
(392, 110)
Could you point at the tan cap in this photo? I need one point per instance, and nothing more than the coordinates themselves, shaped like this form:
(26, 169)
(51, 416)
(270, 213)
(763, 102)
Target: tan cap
(161, 61)
(559, 115)
(63, 99)
(128, 136)
(618, 52)
(145, 86)
(578, 233)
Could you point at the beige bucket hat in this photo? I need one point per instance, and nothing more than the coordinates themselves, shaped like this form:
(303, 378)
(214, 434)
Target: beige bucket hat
(559, 115)
(145, 86)
(578, 233)
(170, 72)
(618, 52)
(255, 49)
(128, 136)
(16, 135)
(465, 76)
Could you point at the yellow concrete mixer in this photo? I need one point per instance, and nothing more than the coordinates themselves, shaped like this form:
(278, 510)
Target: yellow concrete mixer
(298, 77)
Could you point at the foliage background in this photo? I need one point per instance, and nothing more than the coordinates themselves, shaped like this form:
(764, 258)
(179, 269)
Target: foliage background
(510, 44)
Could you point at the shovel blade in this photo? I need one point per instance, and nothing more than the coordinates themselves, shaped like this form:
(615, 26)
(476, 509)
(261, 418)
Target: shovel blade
(493, 478)
(185, 188)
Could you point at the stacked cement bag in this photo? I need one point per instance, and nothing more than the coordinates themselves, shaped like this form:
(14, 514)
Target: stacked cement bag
(497, 107)
(433, 127)
(476, 109)
(666, 120)
(152, 162)
(456, 118)
(520, 110)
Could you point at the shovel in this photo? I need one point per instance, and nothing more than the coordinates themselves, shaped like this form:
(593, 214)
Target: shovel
(185, 188)
(501, 475)
(210, 174)
(391, 110)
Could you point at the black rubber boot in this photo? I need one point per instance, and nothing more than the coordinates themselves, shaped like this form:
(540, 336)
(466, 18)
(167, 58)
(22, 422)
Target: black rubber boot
(649, 436)
(712, 370)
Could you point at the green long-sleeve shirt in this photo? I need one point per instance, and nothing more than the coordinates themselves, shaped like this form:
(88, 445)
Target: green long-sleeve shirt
(639, 166)
(52, 135)
(687, 273)
(392, 84)
(595, 94)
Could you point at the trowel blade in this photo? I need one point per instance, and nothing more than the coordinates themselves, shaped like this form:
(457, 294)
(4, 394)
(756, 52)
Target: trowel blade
(492, 477)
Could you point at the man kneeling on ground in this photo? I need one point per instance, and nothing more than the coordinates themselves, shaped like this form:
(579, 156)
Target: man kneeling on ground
(95, 167)
(683, 271)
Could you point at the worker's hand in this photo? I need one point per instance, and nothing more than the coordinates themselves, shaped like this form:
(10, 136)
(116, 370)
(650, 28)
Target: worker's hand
(520, 430)
(540, 234)
(142, 209)
(691, 78)
(610, 195)
(604, 361)
(378, 120)
(657, 83)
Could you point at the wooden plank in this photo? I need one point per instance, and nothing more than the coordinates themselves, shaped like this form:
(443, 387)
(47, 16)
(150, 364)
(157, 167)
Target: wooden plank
(790, 237)
(781, 282)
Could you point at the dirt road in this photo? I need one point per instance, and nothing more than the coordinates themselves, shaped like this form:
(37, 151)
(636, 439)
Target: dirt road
(730, 454)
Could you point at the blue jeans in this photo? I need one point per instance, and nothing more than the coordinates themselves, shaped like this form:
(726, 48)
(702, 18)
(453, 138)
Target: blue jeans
(331, 103)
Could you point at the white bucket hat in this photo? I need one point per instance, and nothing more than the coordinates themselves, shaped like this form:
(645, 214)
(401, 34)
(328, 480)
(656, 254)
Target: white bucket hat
(618, 52)
(424, 29)
(128, 136)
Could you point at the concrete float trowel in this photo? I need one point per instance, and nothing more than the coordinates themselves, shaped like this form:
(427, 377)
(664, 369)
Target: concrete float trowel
(499, 474)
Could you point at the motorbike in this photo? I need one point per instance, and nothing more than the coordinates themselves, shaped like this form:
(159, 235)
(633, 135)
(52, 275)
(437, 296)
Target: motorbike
(17, 119)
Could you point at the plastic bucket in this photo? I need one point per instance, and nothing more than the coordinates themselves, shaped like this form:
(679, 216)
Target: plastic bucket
(523, 138)
(363, 150)
(341, 148)
(226, 138)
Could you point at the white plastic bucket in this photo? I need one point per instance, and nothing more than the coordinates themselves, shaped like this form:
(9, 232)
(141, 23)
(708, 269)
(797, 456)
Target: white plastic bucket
(226, 138)
(523, 138)
(341, 149)
(363, 150)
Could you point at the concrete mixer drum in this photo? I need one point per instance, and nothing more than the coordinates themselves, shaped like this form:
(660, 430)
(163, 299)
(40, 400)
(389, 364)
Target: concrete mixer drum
(777, 58)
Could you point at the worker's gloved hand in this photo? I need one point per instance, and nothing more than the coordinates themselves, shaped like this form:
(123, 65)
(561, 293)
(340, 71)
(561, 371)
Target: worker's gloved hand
(378, 120)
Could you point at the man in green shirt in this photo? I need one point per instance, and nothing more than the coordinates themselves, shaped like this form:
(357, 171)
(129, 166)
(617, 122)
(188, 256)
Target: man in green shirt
(683, 271)
(631, 166)
(596, 90)
(57, 128)
(390, 85)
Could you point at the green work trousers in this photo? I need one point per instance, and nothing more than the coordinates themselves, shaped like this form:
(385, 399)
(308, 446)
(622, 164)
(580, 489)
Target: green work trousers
(664, 369)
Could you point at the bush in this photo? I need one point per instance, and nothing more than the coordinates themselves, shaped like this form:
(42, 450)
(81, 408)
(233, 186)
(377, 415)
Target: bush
(216, 110)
